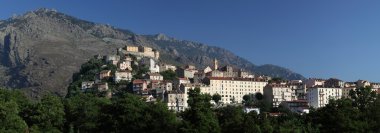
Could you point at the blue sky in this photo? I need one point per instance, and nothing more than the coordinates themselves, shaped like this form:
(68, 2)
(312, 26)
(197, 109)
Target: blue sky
(320, 38)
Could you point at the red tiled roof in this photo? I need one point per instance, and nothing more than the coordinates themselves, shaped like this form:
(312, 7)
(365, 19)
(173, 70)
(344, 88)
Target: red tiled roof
(154, 74)
(138, 81)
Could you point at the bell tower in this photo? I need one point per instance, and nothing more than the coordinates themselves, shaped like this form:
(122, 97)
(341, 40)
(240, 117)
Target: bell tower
(215, 64)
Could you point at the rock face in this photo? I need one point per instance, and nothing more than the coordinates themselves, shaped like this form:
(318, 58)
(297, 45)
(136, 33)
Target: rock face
(40, 50)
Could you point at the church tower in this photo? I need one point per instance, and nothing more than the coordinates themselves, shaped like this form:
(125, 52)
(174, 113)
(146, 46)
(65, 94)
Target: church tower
(215, 64)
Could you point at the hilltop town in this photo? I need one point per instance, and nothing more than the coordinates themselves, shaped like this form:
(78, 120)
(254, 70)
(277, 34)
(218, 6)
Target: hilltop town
(138, 70)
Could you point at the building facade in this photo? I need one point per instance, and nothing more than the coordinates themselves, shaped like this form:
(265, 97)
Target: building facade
(232, 90)
(318, 97)
(122, 76)
(276, 93)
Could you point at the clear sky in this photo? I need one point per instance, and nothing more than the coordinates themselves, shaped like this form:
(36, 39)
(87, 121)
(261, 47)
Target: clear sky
(316, 38)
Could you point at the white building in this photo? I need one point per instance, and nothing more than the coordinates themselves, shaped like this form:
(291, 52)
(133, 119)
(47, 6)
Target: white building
(125, 65)
(122, 75)
(177, 100)
(151, 64)
(87, 85)
(207, 69)
(277, 93)
(232, 90)
(319, 97)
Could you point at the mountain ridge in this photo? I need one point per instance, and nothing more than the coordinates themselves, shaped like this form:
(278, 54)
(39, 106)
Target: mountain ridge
(41, 49)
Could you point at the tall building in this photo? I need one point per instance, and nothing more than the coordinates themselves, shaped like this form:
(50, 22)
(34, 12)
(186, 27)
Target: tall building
(231, 89)
(319, 97)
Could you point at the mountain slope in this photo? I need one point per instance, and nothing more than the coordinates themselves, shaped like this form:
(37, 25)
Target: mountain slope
(41, 49)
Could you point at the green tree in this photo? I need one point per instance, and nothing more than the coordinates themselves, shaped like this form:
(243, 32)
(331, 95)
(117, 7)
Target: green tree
(251, 123)
(169, 74)
(199, 117)
(266, 126)
(248, 100)
(339, 116)
(373, 115)
(230, 119)
(216, 97)
(83, 112)
(47, 115)
(130, 113)
(259, 96)
(363, 97)
(10, 121)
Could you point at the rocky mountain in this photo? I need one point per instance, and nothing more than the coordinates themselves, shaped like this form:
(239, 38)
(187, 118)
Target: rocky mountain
(41, 49)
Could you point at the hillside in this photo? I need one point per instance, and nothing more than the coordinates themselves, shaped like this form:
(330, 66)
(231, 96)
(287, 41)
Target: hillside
(40, 50)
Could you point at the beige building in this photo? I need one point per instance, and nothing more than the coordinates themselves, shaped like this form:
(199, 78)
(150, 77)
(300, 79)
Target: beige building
(140, 51)
(102, 86)
(215, 73)
(233, 89)
(104, 74)
(276, 93)
(346, 91)
(155, 76)
(132, 48)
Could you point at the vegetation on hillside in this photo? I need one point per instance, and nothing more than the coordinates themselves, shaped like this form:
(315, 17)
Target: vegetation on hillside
(87, 111)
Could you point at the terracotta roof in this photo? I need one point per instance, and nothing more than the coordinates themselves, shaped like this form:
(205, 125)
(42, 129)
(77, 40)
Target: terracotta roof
(183, 79)
(154, 74)
(138, 81)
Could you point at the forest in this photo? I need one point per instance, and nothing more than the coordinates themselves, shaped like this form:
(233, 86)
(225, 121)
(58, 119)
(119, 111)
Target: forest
(86, 112)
